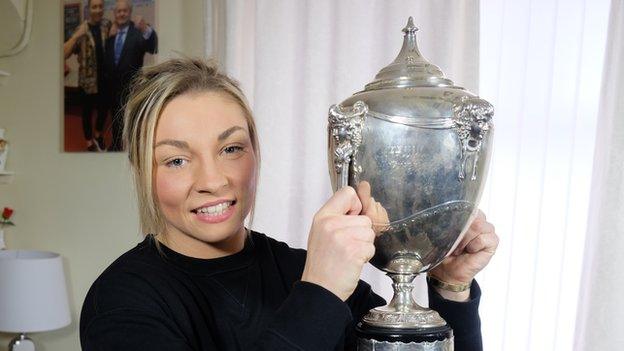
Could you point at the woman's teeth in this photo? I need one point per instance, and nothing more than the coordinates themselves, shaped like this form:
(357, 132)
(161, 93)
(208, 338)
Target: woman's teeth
(215, 210)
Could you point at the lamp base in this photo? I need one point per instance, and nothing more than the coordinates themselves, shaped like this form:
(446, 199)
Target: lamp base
(21, 343)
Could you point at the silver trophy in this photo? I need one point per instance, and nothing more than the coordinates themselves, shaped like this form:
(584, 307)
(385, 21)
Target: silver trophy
(416, 149)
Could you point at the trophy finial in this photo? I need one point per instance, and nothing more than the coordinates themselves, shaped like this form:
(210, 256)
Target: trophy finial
(410, 28)
(409, 68)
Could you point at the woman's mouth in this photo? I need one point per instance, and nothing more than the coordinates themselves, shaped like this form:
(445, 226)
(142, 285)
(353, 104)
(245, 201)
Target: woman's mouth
(215, 213)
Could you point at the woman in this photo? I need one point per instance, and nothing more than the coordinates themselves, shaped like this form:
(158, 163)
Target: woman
(202, 281)
(88, 43)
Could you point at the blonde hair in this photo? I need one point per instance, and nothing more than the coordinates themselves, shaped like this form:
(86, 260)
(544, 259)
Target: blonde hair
(150, 92)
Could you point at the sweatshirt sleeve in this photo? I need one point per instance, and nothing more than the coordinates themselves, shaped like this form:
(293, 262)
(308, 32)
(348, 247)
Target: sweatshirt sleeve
(360, 302)
(131, 329)
(118, 316)
(311, 318)
(463, 317)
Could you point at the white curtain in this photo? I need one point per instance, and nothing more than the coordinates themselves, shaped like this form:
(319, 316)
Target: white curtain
(601, 311)
(539, 62)
(541, 65)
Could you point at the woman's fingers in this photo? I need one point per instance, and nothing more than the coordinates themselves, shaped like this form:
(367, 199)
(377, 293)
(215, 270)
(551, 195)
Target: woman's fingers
(357, 233)
(357, 242)
(344, 201)
(472, 254)
(364, 193)
(478, 226)
(332, 223)
(487, 242)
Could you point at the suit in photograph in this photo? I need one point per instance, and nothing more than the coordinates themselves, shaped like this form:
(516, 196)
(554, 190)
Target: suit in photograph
(123, 59)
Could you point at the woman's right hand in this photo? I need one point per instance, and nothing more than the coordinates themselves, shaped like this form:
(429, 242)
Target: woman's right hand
(81, 30)
(340, 243)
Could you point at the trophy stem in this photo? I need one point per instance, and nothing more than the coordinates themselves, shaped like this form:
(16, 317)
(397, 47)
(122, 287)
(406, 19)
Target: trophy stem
(403, 300)
(402, 311)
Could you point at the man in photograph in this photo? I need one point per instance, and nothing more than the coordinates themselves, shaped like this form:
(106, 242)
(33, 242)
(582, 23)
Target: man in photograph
(126, 47)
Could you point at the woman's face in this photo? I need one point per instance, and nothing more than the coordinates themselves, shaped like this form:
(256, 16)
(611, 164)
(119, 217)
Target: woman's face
(96, 10)
(204, 174)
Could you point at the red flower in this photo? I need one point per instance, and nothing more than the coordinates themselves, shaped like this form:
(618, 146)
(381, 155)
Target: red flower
(6, 213)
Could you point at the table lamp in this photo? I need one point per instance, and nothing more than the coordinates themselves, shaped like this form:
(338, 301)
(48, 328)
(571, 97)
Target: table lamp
(33, 295)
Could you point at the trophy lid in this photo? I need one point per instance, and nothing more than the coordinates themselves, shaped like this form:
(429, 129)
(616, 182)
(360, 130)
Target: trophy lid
(410, 68)
(411, 89)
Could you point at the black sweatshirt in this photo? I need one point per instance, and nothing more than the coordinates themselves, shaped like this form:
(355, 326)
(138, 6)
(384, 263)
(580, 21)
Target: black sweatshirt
(252, 300)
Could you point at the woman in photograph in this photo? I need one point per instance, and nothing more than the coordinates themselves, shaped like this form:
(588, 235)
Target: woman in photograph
(201, 280)
(87, 43)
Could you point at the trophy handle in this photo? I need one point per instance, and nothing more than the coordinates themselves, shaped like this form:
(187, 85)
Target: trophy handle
(345, 130)
(472, 121)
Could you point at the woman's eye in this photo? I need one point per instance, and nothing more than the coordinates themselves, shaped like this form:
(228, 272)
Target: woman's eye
(176, 162)
(232, 149)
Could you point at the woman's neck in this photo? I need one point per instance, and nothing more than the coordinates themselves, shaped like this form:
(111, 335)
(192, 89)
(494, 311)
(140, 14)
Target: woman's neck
(191, 246)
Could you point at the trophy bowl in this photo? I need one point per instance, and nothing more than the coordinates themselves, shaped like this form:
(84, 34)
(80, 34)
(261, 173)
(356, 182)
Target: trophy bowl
(416, 149)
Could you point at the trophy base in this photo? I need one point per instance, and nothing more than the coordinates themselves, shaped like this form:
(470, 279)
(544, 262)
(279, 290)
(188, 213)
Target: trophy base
(372, 338)
(407, 316)
(403, 325)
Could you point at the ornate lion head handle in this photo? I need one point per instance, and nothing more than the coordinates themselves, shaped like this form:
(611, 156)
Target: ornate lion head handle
(345, 127)
(472, 121)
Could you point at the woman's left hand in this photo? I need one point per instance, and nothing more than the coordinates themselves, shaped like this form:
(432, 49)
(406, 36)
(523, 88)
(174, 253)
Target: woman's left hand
(469, 257)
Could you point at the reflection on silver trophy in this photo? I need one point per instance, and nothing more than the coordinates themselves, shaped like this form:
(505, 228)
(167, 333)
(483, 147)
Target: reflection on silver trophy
(416, 149)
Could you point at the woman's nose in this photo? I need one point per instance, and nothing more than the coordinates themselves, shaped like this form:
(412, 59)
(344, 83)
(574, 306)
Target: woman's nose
(210, 178)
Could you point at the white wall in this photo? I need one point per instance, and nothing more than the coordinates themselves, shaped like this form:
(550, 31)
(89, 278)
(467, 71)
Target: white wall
(80, 205)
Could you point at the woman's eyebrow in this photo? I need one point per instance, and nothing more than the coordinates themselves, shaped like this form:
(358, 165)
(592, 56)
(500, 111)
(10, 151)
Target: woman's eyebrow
(175, 143)
(229, 132)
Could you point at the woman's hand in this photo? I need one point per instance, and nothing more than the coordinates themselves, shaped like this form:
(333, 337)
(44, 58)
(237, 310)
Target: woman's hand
(340, 243)
(81, 30)
(70, 44)
(371, 208)
(140, 24)
(471, 255)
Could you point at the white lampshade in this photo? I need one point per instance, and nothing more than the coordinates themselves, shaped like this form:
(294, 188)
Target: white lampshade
(33, 292)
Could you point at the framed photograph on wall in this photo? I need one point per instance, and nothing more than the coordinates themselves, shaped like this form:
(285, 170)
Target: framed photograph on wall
(106, 43)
